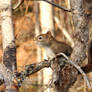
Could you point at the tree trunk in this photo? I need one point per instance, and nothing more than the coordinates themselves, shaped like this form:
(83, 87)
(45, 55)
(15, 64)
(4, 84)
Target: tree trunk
(39, 52)
(81, 35)
(9, 48)
(46, 17)
(47, 24)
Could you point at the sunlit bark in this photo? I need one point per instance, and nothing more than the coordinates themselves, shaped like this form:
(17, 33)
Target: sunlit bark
(9, 48)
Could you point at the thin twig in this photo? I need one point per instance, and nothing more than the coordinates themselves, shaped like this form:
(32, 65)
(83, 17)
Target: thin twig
(18, 4)
(56, 5)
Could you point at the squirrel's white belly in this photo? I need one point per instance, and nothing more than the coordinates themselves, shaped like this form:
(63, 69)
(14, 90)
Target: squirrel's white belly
(49, 53)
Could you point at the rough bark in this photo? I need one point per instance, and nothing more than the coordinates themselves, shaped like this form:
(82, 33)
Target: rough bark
(9, 57)
(9, 48)
(81, 33)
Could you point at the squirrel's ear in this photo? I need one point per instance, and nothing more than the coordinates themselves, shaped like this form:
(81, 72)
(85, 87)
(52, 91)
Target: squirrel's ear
(49, 33)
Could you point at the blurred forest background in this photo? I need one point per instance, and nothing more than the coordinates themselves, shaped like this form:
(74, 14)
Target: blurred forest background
(24, 20)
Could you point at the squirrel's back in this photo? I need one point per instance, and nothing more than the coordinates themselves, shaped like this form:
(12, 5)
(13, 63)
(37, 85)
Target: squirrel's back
(61, 47)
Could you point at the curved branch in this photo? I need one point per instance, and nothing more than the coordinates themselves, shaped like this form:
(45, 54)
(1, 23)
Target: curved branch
(78, 68)
(31, 69)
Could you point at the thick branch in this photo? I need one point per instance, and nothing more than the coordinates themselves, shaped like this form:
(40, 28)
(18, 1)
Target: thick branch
(30, 69)
(81, 31)
(81, 39)
(56, 64)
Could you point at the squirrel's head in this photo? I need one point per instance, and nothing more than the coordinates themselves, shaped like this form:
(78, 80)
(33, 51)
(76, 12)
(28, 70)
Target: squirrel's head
(44, 40)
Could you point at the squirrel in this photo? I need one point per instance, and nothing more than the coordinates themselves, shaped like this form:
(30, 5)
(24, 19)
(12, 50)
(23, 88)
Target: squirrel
(51, 45)
(52, 48)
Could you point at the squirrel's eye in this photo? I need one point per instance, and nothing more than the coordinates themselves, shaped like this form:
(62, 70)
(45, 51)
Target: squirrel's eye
(40, 38)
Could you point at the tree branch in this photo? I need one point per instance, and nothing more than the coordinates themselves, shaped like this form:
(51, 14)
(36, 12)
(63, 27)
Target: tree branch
(81, 33)
(33, 68)
(56, 5)
(78, 68)
(52, 3)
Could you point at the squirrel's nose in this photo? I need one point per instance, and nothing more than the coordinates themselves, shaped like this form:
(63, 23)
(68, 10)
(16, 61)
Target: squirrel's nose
(35, 41)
